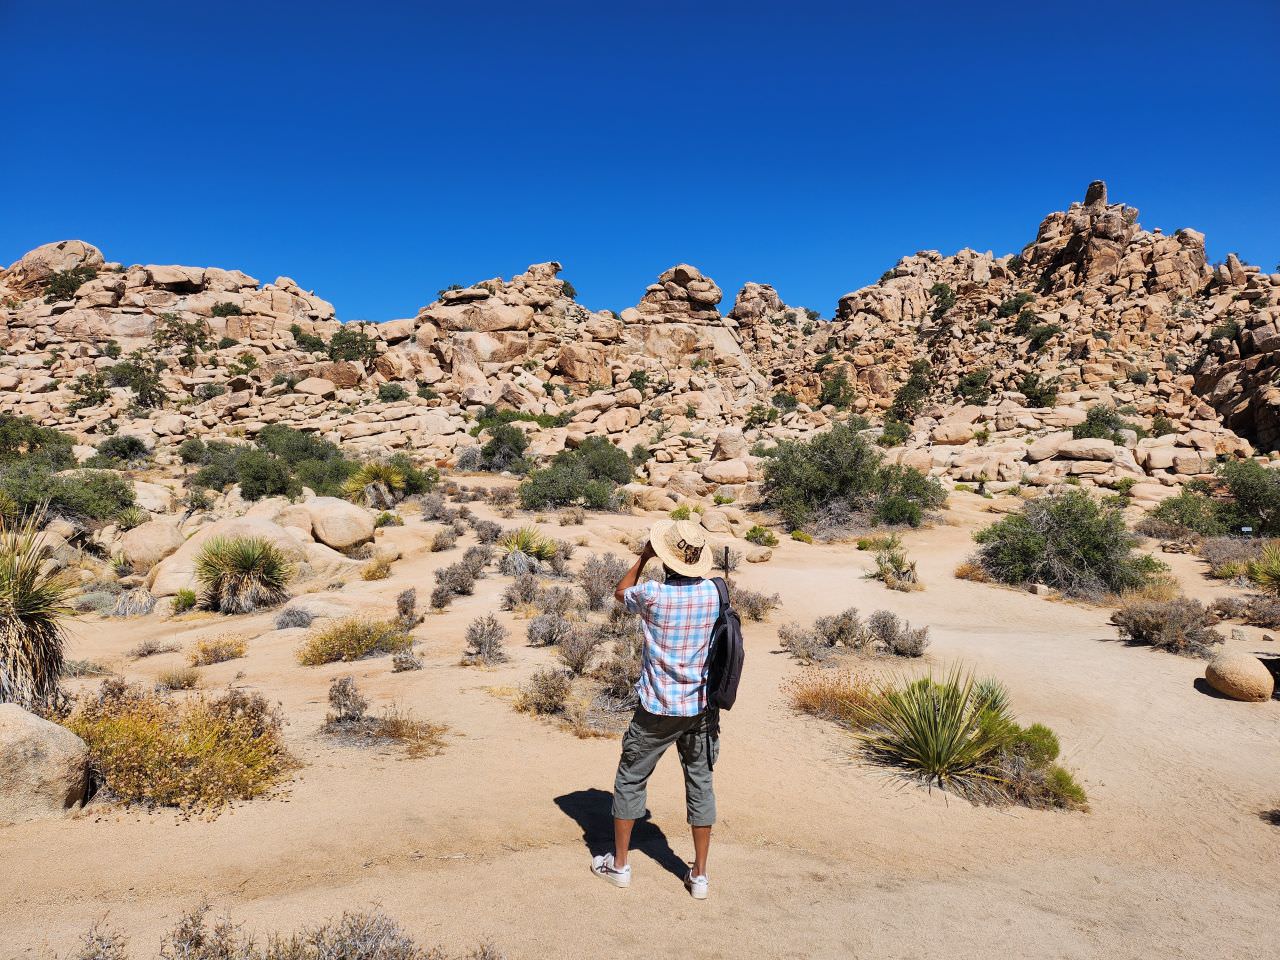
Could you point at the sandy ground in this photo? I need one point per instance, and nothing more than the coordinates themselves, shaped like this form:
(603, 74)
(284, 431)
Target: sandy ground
(817, 854)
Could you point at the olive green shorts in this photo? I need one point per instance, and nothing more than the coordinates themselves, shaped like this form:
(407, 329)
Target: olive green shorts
(643, 745)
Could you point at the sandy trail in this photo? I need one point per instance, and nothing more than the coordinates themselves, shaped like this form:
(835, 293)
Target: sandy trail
(817, 854)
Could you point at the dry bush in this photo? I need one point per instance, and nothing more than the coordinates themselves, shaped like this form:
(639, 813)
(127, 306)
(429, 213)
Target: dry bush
(441, 597)
(1229, 557)
(972, 570)
(457, 578)
(487, 531)
(839, 695)
(83, 668)
(577, 649)
(751, 604)
(545, 692)
(619, 673)
(1260, 610)
(485, 639)
(1161, 587)
(559, 600)
(349, 720)
(573, 517)
(293, 617)
(202, 752)
(407, 615)
(726, 559)
(179, 678)
(805, 645)
(476, 558)
(210, 650)
(376, 569)
(445, 539)
(523, 591)
(598, 576)
(547, 629)
(1179, 626)
(501, 496)
(844, 629)
(895, 636)
(135, 603)
(404, 660)
(353, 639)
(151, 648)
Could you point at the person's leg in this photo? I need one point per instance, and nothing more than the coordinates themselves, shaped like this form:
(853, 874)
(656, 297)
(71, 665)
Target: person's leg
(643, 745)
(696, 757)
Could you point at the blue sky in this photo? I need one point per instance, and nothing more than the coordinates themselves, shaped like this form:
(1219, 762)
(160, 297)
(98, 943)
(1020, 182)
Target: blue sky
(377, 152)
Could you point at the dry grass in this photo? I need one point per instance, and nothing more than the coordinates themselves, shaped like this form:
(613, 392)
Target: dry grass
(972, 570)
(199, 753)
(179, 678)
(1159, 589)
(546, 692)
(839, 695)
(151, 648)
(353, 639)
(378, 569)
(210, 650)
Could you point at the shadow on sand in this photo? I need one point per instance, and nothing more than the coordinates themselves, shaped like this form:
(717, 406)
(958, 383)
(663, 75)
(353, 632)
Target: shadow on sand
(590, 809)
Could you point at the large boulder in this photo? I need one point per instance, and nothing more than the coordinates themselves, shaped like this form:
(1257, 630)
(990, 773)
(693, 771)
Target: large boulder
(148, 543)
(44, 768)
(338, 523)
(729, 445)
(1240, 677)
(44, 261)
(178, 571)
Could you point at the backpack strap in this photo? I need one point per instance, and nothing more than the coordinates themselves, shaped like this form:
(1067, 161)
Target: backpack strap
(722, 589)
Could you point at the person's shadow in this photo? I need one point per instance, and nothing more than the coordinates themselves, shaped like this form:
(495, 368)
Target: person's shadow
(591, 810)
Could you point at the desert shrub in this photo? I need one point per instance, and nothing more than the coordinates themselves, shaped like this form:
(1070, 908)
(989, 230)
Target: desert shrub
(441, 597)
(545, 692)
(63, 284)
(803, 644)
(588, 475)
(34, 601)
(837, 475)
(572, 517)
(909, 398)
(150, 648)
(726, 560)
(838, 695)
(476, 558)
(523, 591)
(1014, 304)
(351, 342)
(971, 570)
(31, 484)
(505, 449)
(1179, 626)
(577, 649)
(1264, 569)
(547, 629)
(178, 678)
(1255, 495)
(751, 604)
(761, 536)
(392, 393)
(1192, 511)
(892, 566)
(225, 309)
(352, 639)
(1039, 393)
(122, 449)
(975, 386)
(619, 673)
(1229, 557)
(210, 650)
(1103, 423)
(836, 391)
(404, 660)
(897, 637)
(1068, 541)
(387, 519)
(83, 668)
(444, 539)
(485, 641)
(559, 600)
(292, 617)
(469, 459)
(95, 601)
(799, 536)
(202, 752)
(242, 574)
(457, 578)
(487, 531)
(598, 576)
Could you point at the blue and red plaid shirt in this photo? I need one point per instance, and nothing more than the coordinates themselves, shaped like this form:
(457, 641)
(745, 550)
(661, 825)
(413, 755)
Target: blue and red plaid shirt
(677, 618)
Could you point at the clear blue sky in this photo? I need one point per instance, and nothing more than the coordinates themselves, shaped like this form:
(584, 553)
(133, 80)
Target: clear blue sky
(376, 152)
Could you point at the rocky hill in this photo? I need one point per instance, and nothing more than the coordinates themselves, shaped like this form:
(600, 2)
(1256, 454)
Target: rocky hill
(1094, 311)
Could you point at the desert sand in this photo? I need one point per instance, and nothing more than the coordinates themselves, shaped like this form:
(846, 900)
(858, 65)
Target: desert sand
(817, 854)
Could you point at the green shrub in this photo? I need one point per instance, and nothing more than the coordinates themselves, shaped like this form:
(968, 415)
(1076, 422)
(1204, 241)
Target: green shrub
(189, 336)
(1104, 423)
(184, 600)
(308, 341)
(226, 343)
(639, 379)
(1191, 511)
(944, 298)
(22, 438)
(392, 393)
(1041, 334)
(894, 433)
(1162, 425)
(1230, 330)
(837, 477)
(63, 284)
(225, 309)
(242, 574)
(836, 391)
(975, 386)
(1014, 304)
(123, 448)
(351, 342)
(909, 399)
(786, 401)
(985, 326)
(505, 449)
(759, 415)
(30, 484)
(761, 536)
(588, 475)
(1039, 393)
(91, 389)
(140, 373)
(801, 537)
(1068, 541)
(1255, 495)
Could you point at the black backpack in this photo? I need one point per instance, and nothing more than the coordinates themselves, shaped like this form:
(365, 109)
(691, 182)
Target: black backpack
(724, 662)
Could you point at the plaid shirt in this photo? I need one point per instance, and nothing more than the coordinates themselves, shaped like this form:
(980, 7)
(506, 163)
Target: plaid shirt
(677, 619)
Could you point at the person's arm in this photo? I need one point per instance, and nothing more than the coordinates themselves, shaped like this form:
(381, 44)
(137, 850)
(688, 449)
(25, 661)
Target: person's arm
(631, 576)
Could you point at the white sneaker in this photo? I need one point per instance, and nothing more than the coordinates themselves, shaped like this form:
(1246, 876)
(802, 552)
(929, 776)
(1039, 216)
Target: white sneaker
(603, 868)
(698, 887)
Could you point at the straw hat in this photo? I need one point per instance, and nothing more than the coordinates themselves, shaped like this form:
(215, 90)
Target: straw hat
(682, 546)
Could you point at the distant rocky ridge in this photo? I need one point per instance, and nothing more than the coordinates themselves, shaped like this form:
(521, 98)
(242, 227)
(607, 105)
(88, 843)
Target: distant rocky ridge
(1112, 313)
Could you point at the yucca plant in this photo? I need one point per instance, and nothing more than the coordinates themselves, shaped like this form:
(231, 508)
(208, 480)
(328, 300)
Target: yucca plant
(942, 733)
(1265, 570)
(524, 550)
(242, 574)
(33, 602)
(374, 483)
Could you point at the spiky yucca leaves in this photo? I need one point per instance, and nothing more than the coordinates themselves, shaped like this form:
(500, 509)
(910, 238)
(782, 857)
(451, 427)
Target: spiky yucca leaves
(363, 485)
(33, 602)
(1265, 570)
(945, 734)
(529, 542)
(242, 574)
